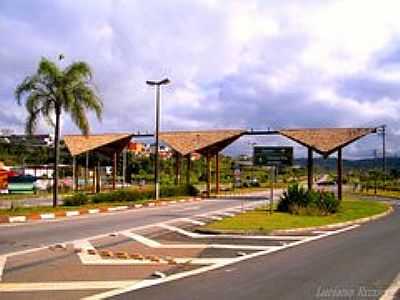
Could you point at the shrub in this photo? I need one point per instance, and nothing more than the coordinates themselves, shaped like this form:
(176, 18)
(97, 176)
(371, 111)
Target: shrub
(122, 196)
(299, 201)
(295, 196)
(76, 199)
(132, 195)
(180, 190)
(327, 203)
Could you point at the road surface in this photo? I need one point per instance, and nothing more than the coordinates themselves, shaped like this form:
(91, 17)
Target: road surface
(358, 264)
(36, 234)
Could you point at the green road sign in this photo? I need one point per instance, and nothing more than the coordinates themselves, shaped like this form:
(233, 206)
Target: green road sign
(273, 156)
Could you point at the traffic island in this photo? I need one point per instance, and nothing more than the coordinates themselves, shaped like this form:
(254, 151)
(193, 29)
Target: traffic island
(260, 221)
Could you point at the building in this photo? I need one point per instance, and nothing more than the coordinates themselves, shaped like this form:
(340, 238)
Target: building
(137, 148)
(37, 140)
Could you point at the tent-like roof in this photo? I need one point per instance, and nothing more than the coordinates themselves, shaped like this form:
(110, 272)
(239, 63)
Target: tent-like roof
(185, 142)
(325, 141)
(104, 143)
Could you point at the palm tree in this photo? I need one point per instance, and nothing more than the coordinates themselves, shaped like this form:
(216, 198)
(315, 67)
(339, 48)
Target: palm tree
(50, 92)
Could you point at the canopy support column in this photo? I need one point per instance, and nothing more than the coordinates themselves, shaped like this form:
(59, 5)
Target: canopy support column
(114, 170)
(217, 173)
(73, 173)
(310, 171)
(208, 157)
(98, 178)
(177, 168)
(124, 161)
(339, 174)
(86, 169)
(189, 162)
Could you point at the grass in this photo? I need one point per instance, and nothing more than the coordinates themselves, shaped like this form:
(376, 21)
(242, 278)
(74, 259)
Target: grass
(262, 221)
(382, 193)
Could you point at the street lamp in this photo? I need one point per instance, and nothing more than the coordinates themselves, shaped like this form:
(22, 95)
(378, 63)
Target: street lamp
(157, 84)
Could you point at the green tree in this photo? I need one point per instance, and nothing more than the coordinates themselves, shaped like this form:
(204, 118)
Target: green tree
(50, 92)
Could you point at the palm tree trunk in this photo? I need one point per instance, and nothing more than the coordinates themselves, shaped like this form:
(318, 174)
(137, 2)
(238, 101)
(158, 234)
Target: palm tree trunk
(56, 156)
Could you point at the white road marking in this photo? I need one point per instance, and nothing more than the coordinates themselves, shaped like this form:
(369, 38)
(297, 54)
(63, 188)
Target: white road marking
(195, 222)
(226, 214)
(211, 217)
(393, 288)
(154, 244)
(3, 260)
(188, 208)
(95, 259)
(141, 239)
(64, 286)
(177, 276)
(232, 236)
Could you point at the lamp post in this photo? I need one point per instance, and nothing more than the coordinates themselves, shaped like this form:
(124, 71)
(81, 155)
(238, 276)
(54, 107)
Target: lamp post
(157, 84)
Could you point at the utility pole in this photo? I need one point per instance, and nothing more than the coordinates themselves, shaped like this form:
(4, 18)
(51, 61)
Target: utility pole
(157, 84)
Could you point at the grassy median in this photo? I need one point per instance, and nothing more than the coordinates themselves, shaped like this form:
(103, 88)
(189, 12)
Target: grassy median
(261, 221)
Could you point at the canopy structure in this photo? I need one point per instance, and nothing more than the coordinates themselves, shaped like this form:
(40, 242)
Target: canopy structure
(325, 141)
(107, 143)
(186, 142)
(110, 144)
(208, 143)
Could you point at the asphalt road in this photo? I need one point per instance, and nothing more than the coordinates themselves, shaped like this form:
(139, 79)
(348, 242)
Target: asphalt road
(358, 264)
(37, 234)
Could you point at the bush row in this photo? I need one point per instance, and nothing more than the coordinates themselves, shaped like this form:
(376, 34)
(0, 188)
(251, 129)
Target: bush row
(297, 200)
(129, 195)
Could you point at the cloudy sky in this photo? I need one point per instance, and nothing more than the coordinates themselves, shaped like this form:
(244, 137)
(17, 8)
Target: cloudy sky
(233, 64)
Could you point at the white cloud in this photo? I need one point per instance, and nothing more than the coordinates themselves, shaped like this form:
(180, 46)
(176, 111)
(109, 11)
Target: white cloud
(231, 63)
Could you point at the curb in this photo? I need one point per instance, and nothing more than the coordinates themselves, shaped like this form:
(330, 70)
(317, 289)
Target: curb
(337, 225)
(83, 211)
(296, 230)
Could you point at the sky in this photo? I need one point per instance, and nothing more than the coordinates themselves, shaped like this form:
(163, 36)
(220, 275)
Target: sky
(232, 64)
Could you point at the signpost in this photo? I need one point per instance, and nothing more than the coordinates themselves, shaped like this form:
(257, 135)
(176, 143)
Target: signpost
(274, 157)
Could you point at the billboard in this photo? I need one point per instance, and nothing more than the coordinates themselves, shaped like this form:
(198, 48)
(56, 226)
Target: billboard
(273, 156)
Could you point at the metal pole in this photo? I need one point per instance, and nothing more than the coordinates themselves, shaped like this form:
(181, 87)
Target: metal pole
(384, 164)
(156, 157)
